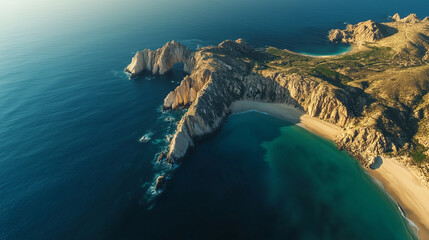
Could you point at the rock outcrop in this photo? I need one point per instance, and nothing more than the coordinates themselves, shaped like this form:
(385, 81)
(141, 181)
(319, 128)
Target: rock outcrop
(161, 60)
(160, 182)
(204, 66)
(412, 18)
(396, 17)
(368, 31)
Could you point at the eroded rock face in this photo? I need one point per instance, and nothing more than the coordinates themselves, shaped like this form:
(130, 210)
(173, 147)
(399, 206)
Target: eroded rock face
(364, 142)
(204, 66)
(368, 31)
(161, 60)
(221, 85)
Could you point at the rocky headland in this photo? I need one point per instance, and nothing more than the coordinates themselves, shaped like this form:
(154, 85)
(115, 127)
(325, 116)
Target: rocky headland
(353, 91)
(377, 94)
(368, 31)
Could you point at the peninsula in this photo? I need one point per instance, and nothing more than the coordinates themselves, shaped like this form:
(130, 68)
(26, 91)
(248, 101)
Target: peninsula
(372, 101)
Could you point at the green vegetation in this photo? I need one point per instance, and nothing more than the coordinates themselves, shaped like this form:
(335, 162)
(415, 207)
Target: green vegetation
(373, 54)
(326, 73)
(287, 54)
(418, 153)
(359, 64)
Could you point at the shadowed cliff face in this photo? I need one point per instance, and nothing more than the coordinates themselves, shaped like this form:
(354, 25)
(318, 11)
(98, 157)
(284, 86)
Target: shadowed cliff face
(338, 90)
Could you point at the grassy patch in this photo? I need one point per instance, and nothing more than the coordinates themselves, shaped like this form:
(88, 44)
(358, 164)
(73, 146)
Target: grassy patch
(326, 73)
(379, 54)
(286, 54)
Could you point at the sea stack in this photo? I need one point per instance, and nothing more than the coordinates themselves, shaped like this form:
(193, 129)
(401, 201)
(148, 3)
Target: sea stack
(161, 60)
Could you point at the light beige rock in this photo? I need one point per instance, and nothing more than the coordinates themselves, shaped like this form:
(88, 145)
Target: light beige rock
(161, 60)
(396, 17)
(368, 31)
(412, 18)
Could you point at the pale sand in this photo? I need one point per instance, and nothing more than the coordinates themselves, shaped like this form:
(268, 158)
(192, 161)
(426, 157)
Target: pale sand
(404, 187)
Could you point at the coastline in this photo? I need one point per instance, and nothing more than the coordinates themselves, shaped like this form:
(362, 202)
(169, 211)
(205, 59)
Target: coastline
(291, 114)
(349, 50)
(407, 190)
(399, 182)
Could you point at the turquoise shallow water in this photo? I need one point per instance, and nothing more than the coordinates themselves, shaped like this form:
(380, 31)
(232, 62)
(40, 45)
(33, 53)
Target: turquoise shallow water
(72, 166)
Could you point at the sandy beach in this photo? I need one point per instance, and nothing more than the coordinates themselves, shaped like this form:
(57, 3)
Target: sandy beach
(400, 183)
(407, 190)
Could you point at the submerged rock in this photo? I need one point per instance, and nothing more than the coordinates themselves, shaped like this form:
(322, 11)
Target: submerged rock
(161, 156)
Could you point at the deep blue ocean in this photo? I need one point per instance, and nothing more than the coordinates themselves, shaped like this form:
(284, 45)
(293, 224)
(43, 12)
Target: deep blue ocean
(72, 166)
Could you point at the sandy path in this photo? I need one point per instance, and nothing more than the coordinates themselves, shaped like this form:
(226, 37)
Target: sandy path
(404, 187)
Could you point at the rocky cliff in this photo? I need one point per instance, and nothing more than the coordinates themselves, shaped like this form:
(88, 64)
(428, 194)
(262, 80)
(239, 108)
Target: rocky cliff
(368, 31)
(161, 60)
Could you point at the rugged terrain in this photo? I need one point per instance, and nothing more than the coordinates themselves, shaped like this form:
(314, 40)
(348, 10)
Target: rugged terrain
(377, 93)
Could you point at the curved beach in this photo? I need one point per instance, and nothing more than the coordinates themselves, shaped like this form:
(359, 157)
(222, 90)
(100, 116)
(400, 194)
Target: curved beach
(399, 182)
